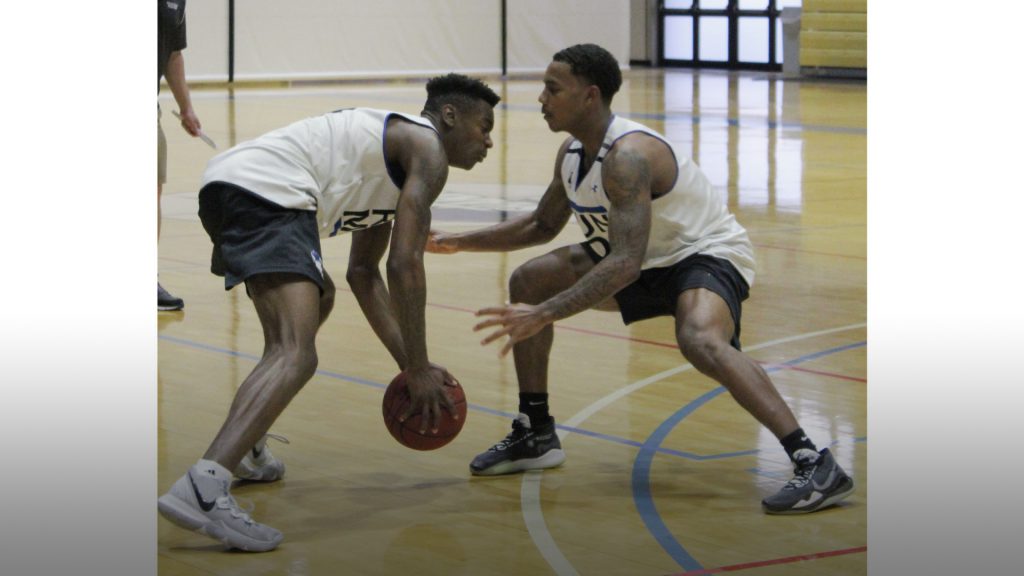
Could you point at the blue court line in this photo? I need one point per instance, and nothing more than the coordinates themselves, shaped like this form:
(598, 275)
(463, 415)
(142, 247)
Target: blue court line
(501, 413)
(511, 415)
(642, 466)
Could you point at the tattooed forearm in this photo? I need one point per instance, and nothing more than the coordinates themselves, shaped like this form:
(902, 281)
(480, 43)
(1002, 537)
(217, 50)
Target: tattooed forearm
(626, 179)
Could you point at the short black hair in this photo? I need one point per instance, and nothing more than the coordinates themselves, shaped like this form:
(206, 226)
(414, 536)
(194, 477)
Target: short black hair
(458, 90)
(596, 65)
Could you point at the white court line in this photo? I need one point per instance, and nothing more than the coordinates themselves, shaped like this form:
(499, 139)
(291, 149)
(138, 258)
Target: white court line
(529, 497)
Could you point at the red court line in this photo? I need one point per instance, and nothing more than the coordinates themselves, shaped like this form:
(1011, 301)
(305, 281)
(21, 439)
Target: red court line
(776, 561)
(650, 342)
(818, 372)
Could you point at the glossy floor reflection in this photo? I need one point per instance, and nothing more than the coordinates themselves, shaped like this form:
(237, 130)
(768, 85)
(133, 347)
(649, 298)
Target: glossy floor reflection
(665, 472)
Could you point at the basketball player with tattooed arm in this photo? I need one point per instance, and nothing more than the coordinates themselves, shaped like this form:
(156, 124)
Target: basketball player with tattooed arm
(265, 205)
(659, 242)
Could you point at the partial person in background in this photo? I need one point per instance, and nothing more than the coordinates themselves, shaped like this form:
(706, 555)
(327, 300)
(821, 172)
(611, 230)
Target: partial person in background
(171, 65)
(266, 204)
(658, 242)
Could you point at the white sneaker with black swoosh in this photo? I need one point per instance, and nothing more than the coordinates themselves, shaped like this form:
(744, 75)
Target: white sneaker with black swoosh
(202, 503)
(819, 482)
(259, 464)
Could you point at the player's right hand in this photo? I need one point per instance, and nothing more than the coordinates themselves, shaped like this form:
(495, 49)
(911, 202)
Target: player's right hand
(428, 397)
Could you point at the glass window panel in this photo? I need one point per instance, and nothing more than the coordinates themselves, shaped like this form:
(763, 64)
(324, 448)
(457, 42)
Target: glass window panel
(679, 4)
(714, 38)
(753, 4)
(753, 33)
(713, 4)
(780, 4)
(679, 37)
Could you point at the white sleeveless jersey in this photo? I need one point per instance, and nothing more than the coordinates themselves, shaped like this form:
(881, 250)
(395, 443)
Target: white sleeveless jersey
(690, 219)
(332, 164)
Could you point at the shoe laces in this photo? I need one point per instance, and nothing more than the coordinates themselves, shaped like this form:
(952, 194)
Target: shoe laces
(228, 502)
(519, 431)
(803, 471)
(278, 437)
(263, 444)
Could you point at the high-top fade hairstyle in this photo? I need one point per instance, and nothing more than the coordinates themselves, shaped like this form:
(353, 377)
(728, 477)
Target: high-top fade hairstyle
(594, 64)
(457, 90)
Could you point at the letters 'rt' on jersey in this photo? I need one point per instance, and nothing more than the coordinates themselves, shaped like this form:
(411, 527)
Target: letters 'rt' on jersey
(691, 218)
(331, 164)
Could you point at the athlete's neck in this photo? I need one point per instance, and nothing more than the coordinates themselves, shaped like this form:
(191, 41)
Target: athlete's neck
(592, 134)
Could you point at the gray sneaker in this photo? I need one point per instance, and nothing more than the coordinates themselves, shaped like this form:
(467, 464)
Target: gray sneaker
(259, 465)
(819, 483)
(219, 518)
(165, 302)
(525, 448)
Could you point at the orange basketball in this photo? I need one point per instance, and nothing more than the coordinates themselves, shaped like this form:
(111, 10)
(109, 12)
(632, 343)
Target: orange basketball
(396, 402)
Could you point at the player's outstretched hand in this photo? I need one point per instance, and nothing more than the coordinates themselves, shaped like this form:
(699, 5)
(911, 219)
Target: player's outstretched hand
(517, 321)
(440, 243)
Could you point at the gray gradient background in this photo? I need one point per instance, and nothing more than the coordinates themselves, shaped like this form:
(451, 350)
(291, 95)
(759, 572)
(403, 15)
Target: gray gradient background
(77, 328)
(78, 334)
(945, 315)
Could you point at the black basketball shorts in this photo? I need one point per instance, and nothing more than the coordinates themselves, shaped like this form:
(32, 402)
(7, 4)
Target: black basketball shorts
(253, 236)
(657, 290)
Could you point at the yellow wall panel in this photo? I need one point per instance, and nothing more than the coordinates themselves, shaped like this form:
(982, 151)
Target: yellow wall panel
(837, 21)
(833, 58)
(856, 6)
(829, 40)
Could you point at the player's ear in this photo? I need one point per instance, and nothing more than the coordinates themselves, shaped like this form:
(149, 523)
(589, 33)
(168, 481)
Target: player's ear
(593, 93)
(448, 114)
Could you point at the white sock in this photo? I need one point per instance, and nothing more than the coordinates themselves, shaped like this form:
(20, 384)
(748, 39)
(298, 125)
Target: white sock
(212, 469)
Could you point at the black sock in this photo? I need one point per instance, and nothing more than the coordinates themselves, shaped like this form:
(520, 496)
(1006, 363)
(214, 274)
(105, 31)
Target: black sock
(797, 440)
(535, 405)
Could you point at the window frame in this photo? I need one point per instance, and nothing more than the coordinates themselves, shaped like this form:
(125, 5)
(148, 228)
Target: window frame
(733, 13)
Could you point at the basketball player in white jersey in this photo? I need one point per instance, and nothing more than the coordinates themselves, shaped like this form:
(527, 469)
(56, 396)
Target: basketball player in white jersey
(658, 242)
(265, 204)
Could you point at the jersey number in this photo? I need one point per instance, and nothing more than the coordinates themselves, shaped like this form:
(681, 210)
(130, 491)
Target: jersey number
(592, 223)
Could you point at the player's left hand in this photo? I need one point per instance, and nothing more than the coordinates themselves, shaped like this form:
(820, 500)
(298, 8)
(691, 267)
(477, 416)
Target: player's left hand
(517, 321)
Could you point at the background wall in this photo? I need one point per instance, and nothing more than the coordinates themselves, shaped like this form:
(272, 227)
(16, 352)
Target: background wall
(322, 39)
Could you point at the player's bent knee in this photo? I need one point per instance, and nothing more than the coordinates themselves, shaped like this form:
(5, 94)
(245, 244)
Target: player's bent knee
(703, 350)
(298, 361)
(523, 286)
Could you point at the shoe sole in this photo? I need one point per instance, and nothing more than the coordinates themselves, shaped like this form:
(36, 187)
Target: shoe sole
(183, 514)
(169, 308)
(550, 459)
(845, 489)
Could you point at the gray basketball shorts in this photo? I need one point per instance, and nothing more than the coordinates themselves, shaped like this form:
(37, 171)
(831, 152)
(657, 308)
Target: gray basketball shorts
(253, 236)
(657, 290)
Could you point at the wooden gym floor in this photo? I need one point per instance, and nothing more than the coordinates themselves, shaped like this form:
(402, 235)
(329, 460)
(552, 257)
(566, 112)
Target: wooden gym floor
(664, 472)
